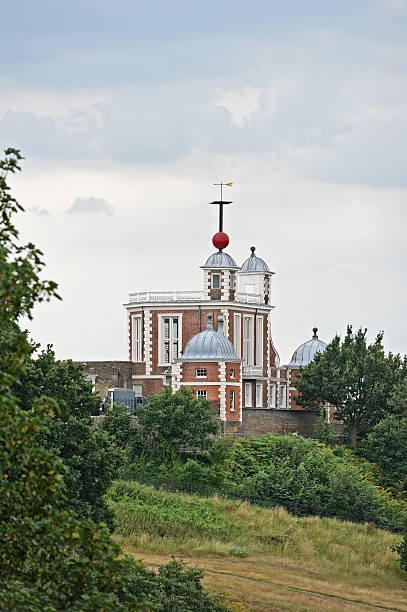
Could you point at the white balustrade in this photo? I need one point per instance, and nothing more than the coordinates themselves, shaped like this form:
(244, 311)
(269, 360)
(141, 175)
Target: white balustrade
(185, 296)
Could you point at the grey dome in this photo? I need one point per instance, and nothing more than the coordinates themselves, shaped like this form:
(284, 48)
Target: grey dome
(254, 263)
(210, 345)
(307, 351)
(220, 260)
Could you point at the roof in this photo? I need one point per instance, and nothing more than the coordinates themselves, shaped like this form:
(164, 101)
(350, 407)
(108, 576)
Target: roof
(210, 345)
(254, 263)
(220, 260)
(307, 351)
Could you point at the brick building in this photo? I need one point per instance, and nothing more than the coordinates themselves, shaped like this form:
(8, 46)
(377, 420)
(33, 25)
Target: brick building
(237, 302)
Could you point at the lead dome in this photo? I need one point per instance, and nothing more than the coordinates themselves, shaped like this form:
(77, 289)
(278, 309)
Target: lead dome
(210, 345)
(254, 263)
(220, 260)
(307, 351)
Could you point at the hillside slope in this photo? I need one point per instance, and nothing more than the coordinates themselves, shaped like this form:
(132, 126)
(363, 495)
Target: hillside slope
(266, 559)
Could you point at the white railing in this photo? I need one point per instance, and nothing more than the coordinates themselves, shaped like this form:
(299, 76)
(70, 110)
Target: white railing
(185, 296)
(248, 298)
(252, 370)
(166, 296)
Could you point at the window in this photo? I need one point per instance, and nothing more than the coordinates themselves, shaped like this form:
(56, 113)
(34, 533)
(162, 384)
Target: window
(248, 395)
(237, 334)
(137, 337)
(248, 340)
(259, 341)
(283, 397)
(169, 339)
(259, 395)
(272, 396)
(232, 400)
(138, 390)
(201, 373)
(232, 373)
(215, 278)
(232, 280)
(201, 393)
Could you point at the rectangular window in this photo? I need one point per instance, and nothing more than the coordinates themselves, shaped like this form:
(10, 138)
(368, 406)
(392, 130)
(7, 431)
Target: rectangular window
(248, 344)
(201, 393)
(283, 396)
(259, 395)
(232, 400)
(259, 341)
(201, 373)
(215, 278)
(138, 390)
(272, 396)
(232, 373)
(248, 395)
(170, 328)
(237, 334)
(232, 280)
(137, 337)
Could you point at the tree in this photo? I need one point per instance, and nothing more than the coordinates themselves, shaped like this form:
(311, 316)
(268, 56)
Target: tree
(89, 457)
(172, 420)
(355, 377)
(48, 559)
(386, 445)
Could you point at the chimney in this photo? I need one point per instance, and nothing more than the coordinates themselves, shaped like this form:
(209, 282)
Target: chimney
(220, 325)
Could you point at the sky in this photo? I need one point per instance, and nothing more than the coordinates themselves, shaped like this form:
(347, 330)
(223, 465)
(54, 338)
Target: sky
(127, 112)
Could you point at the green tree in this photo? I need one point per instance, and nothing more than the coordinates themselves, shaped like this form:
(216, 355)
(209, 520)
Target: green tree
(172, 420)
(90, 459)
(386, 445)
(355, 377)
(397, 402)
(48, 559)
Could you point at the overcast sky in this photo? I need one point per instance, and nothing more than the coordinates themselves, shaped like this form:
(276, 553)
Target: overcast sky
(128, 111)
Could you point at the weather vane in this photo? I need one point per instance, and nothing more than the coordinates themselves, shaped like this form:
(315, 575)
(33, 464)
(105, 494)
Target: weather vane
(221, 240)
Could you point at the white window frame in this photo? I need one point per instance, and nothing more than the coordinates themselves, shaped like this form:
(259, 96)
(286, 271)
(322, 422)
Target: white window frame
(283, 396)
(248, 344)
(217, 275)
(237, 333)
(202, 393)
(232, 400)
(137, 338)
(259, 395)
(161, 328)
(232, 372)
(201, 373)
(248, 395)
(259, 341)
(272, 396)
(138, 390)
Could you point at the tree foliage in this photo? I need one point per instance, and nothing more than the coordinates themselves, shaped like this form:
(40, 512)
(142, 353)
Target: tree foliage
(90, 459)
(171, 420)
(355, 377)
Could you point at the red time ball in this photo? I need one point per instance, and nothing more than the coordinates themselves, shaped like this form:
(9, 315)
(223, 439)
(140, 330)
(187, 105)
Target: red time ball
(220, 240)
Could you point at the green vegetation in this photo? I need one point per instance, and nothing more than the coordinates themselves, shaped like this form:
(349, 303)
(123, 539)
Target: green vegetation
(303, 475)
(356, 377)
(90, 459)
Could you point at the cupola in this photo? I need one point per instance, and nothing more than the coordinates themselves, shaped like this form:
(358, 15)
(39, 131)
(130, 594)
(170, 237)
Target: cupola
(306, 352)
(254, 278)
(210, 345)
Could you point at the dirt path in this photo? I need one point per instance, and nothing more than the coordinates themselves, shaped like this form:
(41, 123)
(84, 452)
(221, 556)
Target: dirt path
(270, 583)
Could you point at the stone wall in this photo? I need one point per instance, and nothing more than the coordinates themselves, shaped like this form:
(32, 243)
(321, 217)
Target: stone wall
(107, 374)
(303, 422)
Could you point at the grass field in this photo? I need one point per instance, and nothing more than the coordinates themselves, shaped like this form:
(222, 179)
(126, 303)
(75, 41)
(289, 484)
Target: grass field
(264, 559)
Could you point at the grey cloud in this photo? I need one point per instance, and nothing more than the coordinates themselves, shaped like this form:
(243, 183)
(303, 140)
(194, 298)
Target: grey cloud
(36, 210)
(91, 205)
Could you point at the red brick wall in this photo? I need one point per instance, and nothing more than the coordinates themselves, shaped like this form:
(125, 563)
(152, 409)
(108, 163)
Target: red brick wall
(233, 415)
(188, 372)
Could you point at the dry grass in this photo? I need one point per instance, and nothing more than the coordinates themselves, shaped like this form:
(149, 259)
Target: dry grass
(290, 563)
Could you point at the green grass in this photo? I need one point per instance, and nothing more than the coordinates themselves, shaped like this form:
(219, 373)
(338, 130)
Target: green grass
(181, 523)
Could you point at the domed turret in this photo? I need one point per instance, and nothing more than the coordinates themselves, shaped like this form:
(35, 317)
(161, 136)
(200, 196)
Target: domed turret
(254, 264)
(307, 351)
(254, 279)
(210, 345)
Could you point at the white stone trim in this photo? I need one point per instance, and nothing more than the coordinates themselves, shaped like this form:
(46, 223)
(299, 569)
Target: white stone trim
(198, 383)
(204, 305)
(148, 344)
(225, 315)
